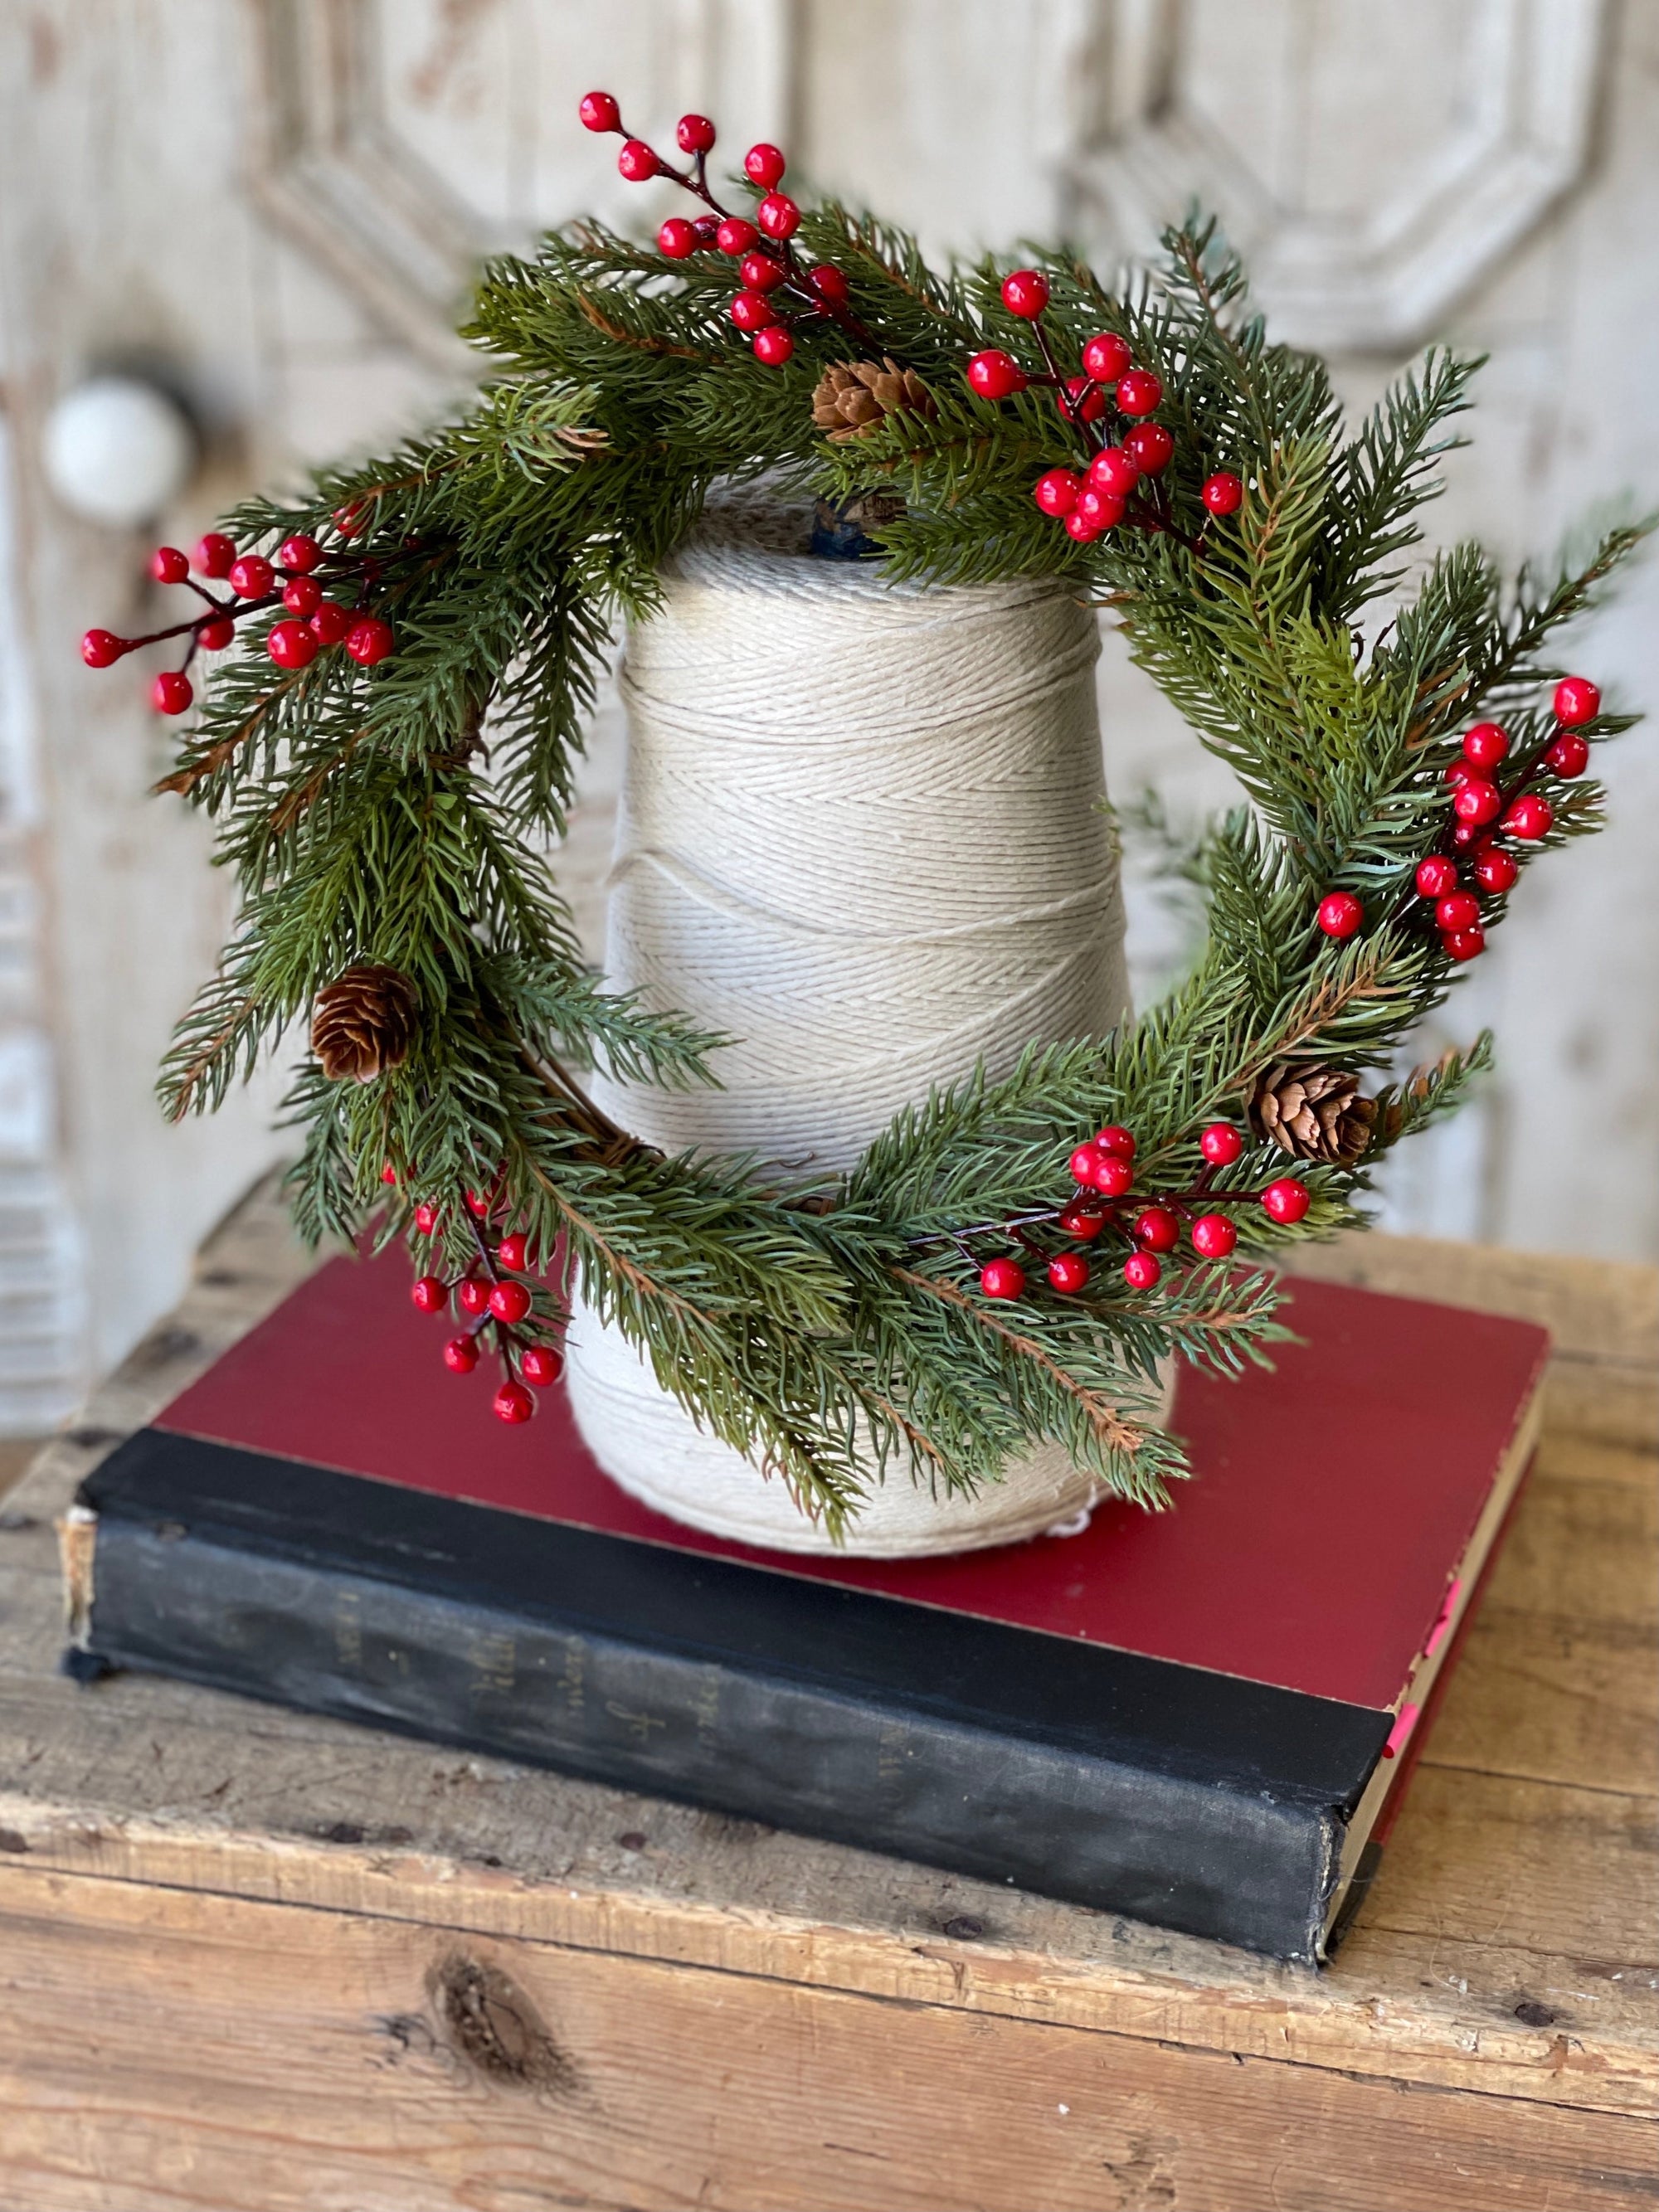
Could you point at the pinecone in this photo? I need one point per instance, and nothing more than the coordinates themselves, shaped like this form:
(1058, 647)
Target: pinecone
(363, 1024)
(853, 396)
(1312, 1114)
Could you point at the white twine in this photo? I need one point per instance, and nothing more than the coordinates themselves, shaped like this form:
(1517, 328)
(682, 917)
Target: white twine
(860, 835)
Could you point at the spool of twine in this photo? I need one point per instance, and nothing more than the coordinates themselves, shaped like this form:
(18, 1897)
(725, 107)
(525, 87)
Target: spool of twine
(860, 835)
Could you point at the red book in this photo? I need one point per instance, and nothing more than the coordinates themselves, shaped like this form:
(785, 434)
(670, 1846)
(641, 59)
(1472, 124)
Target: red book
(1193, 1717)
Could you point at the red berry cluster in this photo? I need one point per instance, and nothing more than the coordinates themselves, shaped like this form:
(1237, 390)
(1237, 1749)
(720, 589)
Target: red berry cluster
(778, 288)
(1153, 1223)
(1469, 860)
(491, 1296)
(295, 580)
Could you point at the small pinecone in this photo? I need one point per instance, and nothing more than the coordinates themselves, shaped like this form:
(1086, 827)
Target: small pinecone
(364, 1023)
(1313, 1114)
(852, 397)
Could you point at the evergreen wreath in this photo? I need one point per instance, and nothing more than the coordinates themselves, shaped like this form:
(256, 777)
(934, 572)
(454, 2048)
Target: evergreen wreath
(390, 754)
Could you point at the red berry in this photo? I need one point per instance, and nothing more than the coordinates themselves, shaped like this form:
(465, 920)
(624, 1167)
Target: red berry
(1025, 293)
(302, 595)
(1286, 1201)
(763, 164)
(707, 227)
(216, 634)
(1157, 1229)
(102, 648)
(1213, 1235)
(171, 692)
(514, 1251)
(168, 565)
(1576, 700)
(351, 520)
(461, 1354)
(735, 236)
(637, 162)
(369, 640)
(214, 555)
(1436, 876)
(389, 1174)
(291, 645)
(1080, 402)
(480, 1203)
(1476, 800)
(1151, 447)
(1106, 357)
(752, 310)
(694, 134)
(473, 1295)
(1101, 510)
(1141, 1271)
(1076, 1221)
(1569, 755)
(1084, 1162)
(778, 215)
(427, 1217)
(513, 1404)
(829, 283)
(759, 272)
(1463, 944)
(251, 576)
(542, 1364)
(1221, 1143)
(1457, 771)
(1223, 492)
(995, 374)
(301, 552)
(774, 347)
(1339, 913)
(1083, 527)
(1495, 870)
(1531, 818)
(430, 1295)
(1002, 1278)
(1115, 470)
(678, 238)
(509, 1302)
(1458, 910)
(1055, 492)
(1138, 391)
(1485, 745)
(1113, 1174)
(1114, 1138)
(1067, 1272)
(599, 112)
(1466, 834)
(331, 623)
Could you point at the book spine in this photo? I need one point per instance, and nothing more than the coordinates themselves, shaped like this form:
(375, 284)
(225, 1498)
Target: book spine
(1237, 1864)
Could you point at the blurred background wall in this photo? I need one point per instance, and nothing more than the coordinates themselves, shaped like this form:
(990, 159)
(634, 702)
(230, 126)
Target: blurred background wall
(268, 209)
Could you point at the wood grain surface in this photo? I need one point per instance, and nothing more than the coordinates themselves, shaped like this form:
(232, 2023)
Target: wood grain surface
(255, 1959)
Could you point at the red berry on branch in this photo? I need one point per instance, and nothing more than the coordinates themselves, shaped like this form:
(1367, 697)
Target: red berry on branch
(1113, 1174)
(1055, 492)
(1101, 510)
(735, 236)
(1151, 447)
(1476, 800)
(995, 374)
(369, 640)
(331, 623)
(302, 595)
(1025, 293)
(1466, 834)
(542, 1364)
(1157, 1229)
(1576, 700)
(171, 693)
(251, 576)
(1213, 1235)
(694, 134)
(1115, 470)
(214, 555)
(1463, 944)
(774, 347)
(1084, 1162)
(707, 227)
(216, 634)
(1436, 876)
(760, 273)
(480, 1203)
(427, 1217)
(1083, 527)
(829, 283)
(102, 648)
(473, 1295)
(512, 1404)
(763, 164)
(1569, 755)
(1141, 1271)
(599, 112)
(1530, 816)
(514, 1251)
(388, 1173)
(1223, 492)
(1076, 1221)
(678, 238)
(353, 519)
(1002, 1278)
(1221, 1144)
(752, 310)
(1081, 401)
(1138, 391)
(637, 162)
(1340, 914)
(461, 1354)
(1067, 1272)
(509, 1302)
(778, 215)
(168, 565)
(1458, 910)
(1457, 771)
(1106, 357)
(1485, 745)
(291, 645)
(1495, 870)
(1286, 1201)
(301, 552)
(1114, 1138)
(430, 1294)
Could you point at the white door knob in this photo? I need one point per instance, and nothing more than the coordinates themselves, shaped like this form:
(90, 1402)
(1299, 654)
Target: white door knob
(116, 450)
